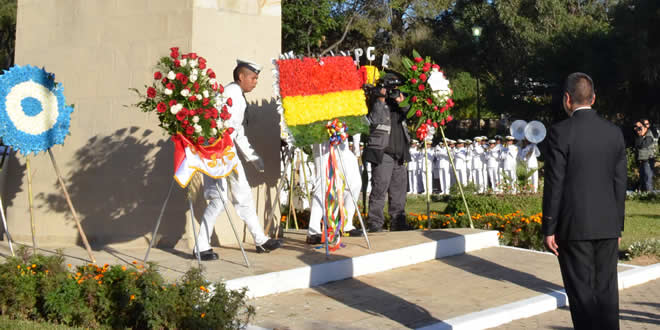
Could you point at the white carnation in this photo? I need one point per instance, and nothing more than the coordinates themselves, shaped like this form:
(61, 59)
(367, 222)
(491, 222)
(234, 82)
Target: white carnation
(196, 119)
(212, 81)
(171, 75)
(193, 78)
(205, 93)
(185, 92)
(193, 63)
(194, 72)
(198, 96)
(198, 129)
(203, 73)
(176, 108)
(166, 124)
(167, 91)
(184, 62)
(214, 131)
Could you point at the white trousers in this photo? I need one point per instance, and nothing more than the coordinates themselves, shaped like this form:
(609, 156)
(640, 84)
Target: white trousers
(534, 180)
(478, 179)
(353, 182)
(445, 180)
(413, 181)
(494, 178)
(511, 177)
(462, 176)
(241, 198)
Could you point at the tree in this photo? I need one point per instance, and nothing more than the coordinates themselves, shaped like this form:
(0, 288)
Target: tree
(7, 32)
(305, 24)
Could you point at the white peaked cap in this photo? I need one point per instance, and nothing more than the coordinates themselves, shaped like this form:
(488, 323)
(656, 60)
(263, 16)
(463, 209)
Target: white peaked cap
(254, 67)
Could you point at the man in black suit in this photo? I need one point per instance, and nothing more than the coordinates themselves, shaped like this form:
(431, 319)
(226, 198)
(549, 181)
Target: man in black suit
(583, 205)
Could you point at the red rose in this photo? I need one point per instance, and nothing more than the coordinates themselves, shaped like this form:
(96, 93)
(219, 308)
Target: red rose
(435, 66)
(214, 124)
(175, 49)
(224, 109)
(422, 77)
(196, 86)
(172, 102)
(177, 63)
(180, 116)
(192, 98)
(200, 140)
(205, 101)
(184, 111)
(428, 121)
(161, 107)
(184, 80)
(413, 80)
(418, 113)
(202, 66)
(426, 69)
(418, 59)
(435, 125)
(421, 87)
(207, 115)
(210, 73)
(170, 86)
(211, 140)
(445, 108)
(230, 102)
(230, 130)
(164, 81)
(221, 89)
(175, 52)
(435, 108)
(429, 101)
(151, 92)
(414, 67)
(186, 122)
(158, 75)
(193, 55)
(450, 103)
(190, 130)
(442, 122)
(184, 56)
(450, 118)
(414, 99)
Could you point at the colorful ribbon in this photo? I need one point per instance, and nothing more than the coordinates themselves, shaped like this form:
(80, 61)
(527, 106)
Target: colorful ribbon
(334, 196)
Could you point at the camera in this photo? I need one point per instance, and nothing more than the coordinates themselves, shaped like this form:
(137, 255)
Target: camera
(390, 82)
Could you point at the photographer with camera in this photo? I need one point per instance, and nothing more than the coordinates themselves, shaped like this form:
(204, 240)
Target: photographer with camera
(387, 150)
(645, 149)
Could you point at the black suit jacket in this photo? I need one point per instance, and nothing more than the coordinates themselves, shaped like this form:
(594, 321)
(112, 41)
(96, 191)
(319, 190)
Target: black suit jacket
(585, 179)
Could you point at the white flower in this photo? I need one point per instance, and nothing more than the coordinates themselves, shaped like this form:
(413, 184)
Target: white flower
(194, 72)
(167, 91)
(214, 131)
(203, 73)
(198, 96)
(184, 62)
(193, 63)
(166, 124)
(196, 119)
(185, 92)
(176, 108)
(212, 81)
(437, 81)
(205, 93)
(220, 123)
(198, 129)
(171, 75)
(193, 78)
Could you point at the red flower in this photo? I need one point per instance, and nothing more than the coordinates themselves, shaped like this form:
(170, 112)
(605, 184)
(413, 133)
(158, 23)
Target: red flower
(181, 115)
(413, 80)
(172, 102)
(442, 122)
(170, 86)
(186, 122)
(221, 89)
(193, 55)
(205, 101)
(418, 59)
(184, 80)
(210, 73)
(158, 75)
(450, 103)
(214, 124)
(418, 113)
(190, 130)
(202, 66)
(435, 108)
(450, 118)
(421, 87)
(429, 101)
(426, 68)
(184, 56)
(414, 99)
(151, 92)
(200, 140)
(414, 67)
(445, 108)
(192, 98)
(164, 81)
(435, 125)
(422, 77)
(435, 66)
(230, 130)
(196, 86)
(161, 107)
(175, 52)
(211, 140)
(177, 63)
(207, 115)
(428, 121)
(230, 102)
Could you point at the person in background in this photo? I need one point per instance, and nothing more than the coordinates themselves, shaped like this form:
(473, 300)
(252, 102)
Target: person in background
(493, 165)
(412, 166)
(645, 148)
(528, 156)
(655, 132)
(460, 160)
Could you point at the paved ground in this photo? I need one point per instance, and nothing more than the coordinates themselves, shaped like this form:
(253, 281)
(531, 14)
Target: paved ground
(295, 253)
(414, 296)
(639, 309)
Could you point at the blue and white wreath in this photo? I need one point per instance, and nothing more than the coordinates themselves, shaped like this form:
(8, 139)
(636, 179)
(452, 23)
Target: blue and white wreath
(33, 113)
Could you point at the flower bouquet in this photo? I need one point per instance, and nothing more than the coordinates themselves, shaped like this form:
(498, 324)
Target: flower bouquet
(312, 91)
(429, 95)
(188, 101)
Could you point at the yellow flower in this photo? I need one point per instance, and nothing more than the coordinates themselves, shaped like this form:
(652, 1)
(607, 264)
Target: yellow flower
(326, 106)
(202, 315)
(18, 266)
(34, 266)
(132, 297)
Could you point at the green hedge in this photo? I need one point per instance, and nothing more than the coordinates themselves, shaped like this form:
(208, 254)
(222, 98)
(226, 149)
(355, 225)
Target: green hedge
(492, 203)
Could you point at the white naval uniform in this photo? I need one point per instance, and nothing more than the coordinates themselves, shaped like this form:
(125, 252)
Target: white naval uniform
(241, 192)
(460, 159)
(442, 158)
(468, 163)
(492, 165)
(413, 182)
(528, 156)
(509, 155)
(478, 168)
(353, 182)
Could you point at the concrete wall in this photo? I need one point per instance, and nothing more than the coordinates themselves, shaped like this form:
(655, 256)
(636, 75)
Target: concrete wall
(117, 163)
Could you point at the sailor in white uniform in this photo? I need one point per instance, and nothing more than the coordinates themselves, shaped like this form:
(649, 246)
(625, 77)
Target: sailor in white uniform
(492, 165)
(442, 158)
(460, 161)
(245, 80)
(477, 165)
(508, 155)
(528, 156)
(413, 181)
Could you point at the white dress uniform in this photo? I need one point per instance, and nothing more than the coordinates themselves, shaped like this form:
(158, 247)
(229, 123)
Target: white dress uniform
(468, 163)
(478, 167)
(492, 166)
(528, 156)
(508, 156)
(353, 182)
(425, 162)
(443, 169)
(413, 182)
(241, 192)
(460, 159)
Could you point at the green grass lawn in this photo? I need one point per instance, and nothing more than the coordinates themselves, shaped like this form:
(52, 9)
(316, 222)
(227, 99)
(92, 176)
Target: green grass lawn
(6, 323)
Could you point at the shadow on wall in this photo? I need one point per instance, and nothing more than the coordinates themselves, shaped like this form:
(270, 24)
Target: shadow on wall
(118, 186)
(10, 183)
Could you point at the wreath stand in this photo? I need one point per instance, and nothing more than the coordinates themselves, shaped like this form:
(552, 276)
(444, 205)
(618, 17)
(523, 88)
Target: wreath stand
(192, 221)
(2, 208)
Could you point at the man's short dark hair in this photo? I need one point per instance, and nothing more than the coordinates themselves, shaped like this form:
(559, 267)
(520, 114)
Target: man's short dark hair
(580, 88)
(645, 120)
(240, 69)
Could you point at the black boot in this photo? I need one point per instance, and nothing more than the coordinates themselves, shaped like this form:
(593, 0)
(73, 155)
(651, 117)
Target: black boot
(207, 255)
(270, 245)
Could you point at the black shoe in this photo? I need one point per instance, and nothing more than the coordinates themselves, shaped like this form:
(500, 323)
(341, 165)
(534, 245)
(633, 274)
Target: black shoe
(314, 239)
(207, 255)
(400, 227)
(353, 233)
(270, 245)
(375, 229)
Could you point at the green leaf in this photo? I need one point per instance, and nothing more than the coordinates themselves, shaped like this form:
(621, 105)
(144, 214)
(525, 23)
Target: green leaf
(415, 53)
(407, 63)
(411, 113)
